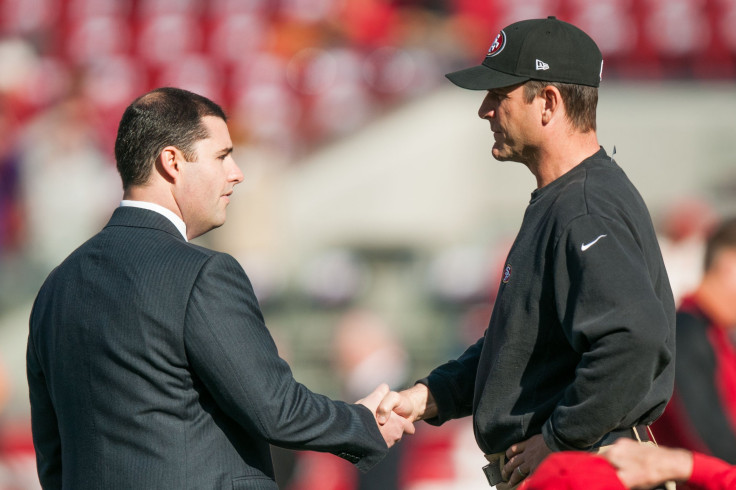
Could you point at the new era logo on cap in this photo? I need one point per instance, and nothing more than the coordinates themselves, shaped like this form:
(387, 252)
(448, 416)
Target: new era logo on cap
(541, 65)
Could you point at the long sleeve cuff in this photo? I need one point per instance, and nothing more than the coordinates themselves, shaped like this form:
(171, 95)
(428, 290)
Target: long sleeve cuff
(711, 473)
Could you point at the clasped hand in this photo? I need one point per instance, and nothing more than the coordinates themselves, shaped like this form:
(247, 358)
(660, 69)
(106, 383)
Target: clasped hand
(417, 403)
(392, 425)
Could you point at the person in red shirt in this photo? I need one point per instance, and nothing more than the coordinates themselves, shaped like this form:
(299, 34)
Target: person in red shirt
(629, 464)
(641, 466)
(701, 416)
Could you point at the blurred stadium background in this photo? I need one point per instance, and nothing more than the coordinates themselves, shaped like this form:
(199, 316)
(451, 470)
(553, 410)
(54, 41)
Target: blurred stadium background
(369, 186)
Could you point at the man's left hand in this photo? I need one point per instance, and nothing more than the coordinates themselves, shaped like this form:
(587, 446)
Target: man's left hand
(523, 458)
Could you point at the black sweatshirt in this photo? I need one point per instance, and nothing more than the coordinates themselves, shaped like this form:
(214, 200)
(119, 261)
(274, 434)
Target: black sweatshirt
(582, 336)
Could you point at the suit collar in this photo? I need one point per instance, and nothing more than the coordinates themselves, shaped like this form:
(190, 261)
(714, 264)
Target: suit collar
(167, 213)
(143, 218)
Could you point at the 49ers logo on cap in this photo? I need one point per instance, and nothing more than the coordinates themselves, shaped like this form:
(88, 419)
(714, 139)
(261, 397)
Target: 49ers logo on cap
(498, 44)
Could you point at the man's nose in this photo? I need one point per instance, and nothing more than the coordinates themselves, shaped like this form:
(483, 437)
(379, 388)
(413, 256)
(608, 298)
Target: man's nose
(236, 174)
(486, 109)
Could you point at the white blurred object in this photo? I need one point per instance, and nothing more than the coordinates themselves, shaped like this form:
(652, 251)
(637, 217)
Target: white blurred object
(266, 275)
(333, 277)
(69, 187)
(18, 61)
(462, 274)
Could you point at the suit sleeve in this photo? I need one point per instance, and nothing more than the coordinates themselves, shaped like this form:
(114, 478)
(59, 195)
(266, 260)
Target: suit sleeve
(45, 427)
(613, 318)
(233, 353)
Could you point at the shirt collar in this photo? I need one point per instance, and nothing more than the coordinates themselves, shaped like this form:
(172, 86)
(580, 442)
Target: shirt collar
(178, 222)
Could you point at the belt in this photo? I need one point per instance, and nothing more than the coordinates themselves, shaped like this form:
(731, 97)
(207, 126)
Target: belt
(497, 461)
(639, 433)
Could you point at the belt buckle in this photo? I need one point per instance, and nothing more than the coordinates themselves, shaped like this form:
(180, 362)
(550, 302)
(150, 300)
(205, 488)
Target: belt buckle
(493, 469)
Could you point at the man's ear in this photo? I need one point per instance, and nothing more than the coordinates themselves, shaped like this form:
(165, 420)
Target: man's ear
(168, 163)
(552, 103)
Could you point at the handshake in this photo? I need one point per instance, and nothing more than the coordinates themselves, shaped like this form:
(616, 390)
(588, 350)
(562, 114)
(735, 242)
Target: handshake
(396, 412)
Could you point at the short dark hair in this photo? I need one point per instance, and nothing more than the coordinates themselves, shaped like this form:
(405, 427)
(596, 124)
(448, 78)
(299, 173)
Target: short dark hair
(580, 101)
(724, 236)
(163, 117)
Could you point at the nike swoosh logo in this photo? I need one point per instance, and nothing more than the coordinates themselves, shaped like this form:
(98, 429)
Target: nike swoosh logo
(586, 246)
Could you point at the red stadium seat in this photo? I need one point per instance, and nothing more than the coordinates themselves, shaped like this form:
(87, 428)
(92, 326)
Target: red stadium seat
(21, 17)
(236, 37)
(167, 37)
(94, 37)
(194, 72)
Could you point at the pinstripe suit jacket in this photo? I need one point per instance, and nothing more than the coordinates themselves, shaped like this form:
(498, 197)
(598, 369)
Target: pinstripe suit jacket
(149, 366)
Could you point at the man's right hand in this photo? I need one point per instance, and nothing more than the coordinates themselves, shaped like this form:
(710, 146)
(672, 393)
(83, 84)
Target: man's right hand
(415, 403)
(641, 466)
(392, 427)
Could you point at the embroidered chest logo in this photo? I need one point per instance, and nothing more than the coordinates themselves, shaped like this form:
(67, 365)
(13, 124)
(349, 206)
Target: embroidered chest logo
(506, 274)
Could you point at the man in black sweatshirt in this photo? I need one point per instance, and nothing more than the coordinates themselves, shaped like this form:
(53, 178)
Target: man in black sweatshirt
(579, 350)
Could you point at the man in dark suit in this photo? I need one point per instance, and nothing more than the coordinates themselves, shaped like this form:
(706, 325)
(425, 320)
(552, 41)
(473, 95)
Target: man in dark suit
(148, 362)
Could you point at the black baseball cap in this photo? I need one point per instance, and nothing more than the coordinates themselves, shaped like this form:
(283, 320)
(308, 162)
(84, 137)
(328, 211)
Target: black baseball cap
(536, 49)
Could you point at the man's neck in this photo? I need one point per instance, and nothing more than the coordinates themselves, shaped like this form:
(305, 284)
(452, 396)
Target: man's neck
(160, 196)
(562, 155)
(149, 193)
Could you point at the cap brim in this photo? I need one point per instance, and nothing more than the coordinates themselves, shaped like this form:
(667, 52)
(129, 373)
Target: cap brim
(483, 78)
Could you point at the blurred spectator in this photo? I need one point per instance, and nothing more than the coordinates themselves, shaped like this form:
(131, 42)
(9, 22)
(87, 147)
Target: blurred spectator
(10, 210)
(682, 233)
(464, 275)
(628, 464)
(644, 466)
(366, 352)
(573, 470)
(399, 46)
(334, 278)
(370, 23)
(702, 413)
(4, 389)
(68, 186)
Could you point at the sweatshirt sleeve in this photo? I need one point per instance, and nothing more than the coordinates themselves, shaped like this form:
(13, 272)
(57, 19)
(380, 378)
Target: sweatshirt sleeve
(711, 473)
(612, 316)
(452, 385)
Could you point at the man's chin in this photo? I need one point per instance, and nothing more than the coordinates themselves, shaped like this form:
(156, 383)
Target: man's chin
(205, 229)
(218, 223)
(500, 156)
